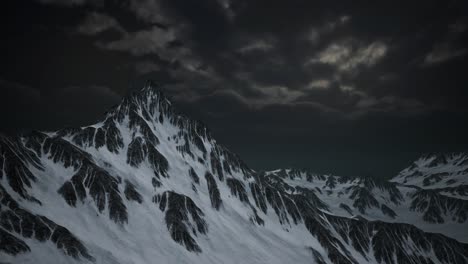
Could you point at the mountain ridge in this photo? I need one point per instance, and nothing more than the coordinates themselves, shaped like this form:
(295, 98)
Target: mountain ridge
(145, 182)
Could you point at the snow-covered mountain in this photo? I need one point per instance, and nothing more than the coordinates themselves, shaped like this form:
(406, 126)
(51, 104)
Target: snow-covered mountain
(435, 171)
(149, 185)
(439, 210)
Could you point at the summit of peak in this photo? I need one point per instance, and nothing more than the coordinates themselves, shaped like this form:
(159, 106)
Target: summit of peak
(150, 85)
(147, 101)
(150, 91)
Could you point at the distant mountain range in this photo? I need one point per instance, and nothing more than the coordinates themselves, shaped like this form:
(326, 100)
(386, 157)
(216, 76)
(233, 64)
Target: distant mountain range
(148, 185)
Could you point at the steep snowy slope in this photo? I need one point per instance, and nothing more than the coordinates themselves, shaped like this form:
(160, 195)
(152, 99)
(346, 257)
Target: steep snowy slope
(440, 210)
(147, 185)
(436, 171)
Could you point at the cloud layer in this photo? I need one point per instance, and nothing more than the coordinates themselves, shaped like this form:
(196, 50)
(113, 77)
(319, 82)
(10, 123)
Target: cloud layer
(297, 71)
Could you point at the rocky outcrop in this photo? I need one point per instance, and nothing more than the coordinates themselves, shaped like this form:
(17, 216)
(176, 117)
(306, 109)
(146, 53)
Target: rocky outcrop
(14, 164)
(100, 186)
(363, 198)
(213, 190)
(194, 176)
(435, 206)
(346, 208)
(388, 211)
(15, 219)
(140, 150)
(11, 244)
(131, 193)
(183, 218)
(389, 242)
(237, 189)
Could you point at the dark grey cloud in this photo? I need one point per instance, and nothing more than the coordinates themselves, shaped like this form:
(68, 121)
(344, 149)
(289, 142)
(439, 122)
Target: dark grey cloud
(348, 56)
(64, 2)
(451, 46)
(95, 23)
(146, 66)
(154, 40)
(310, 77)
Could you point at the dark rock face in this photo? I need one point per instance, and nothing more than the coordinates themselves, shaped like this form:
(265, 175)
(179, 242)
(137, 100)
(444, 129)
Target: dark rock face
(295, 173)
(179, 210)
(275, 200)
(34, 141)
(437, 159)
(85, 136)
(138, 123)
(258, 196)
(331, 182)
(15, 219)
(139, 150)
(131, 193)
(235, 163)
(185, 148)
(158, 162)
(271, 190)
(435, 206)
(102, 187)
(155, 182)
(237, 189)
(312, 198)
(387, 211)
(461, 190)
(255, 218)
(68, 243)
(100, 138)
(113, 138)
(14, 166)
(194, 176)
(346, 208)
(107, 135)
(215, 196)
(388, 241)
(435, 168)
(194, 134)
(363, 198)
(136, 152)
(317, 257)
(363, 191)
(283, 174)
(11, 244)
(337, 252)
(62, 151)
(197, 141)
(216, 166)
(382, 185)
(435, 178)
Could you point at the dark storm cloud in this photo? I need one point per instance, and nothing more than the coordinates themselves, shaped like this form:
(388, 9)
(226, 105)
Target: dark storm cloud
(95, 23)
(450, 47)
(310, 77)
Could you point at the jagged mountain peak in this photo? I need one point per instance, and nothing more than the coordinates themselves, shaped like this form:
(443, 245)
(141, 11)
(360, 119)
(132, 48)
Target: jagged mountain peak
(150, 98)
(148, 104)
(137, 118)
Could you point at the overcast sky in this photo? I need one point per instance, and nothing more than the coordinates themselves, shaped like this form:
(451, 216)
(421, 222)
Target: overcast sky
(348, 87)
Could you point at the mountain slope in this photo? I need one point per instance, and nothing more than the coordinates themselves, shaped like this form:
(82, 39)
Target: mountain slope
(436, 171)
(146, 184)
(440, 210)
